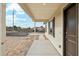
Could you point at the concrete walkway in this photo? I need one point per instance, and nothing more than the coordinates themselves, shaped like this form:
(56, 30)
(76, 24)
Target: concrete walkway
(42, 47)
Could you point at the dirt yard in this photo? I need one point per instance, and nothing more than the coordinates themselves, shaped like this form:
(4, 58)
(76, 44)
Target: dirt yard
(18, 46)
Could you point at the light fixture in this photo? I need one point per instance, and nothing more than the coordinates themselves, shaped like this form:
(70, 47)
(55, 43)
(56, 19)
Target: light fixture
(44, 4)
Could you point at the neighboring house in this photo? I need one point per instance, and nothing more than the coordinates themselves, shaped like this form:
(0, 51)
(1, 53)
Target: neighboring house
(9, 28)
(27, 30)
(40, 29)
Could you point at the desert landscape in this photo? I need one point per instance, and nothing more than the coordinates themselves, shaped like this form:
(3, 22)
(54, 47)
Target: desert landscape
(18, 46)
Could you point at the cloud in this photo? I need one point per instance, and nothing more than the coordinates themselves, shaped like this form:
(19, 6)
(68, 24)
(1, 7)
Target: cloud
(20, 17)
(17, 10)
(17, 20)
(20, 20)
(14, 6)
(10, 17)
(20, 12)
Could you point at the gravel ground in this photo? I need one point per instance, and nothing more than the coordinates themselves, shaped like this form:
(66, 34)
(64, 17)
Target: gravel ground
(18, 46)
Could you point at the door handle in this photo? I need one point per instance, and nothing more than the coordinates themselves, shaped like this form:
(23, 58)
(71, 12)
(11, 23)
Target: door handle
(66, 32)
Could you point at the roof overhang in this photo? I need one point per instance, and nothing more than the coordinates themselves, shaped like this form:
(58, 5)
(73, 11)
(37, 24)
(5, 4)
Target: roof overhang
(40, 12)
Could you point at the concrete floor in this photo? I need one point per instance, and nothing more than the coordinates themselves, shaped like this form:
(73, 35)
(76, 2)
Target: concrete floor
(42, 47)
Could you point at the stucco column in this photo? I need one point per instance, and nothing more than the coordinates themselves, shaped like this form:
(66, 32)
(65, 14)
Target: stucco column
(2, 27)
(35, 27)
(47, 28)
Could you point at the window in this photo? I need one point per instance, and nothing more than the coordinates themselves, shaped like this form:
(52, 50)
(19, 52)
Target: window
(52, 27)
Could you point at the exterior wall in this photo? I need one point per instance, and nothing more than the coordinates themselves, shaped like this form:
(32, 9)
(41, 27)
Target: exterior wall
(58, 40)
(78, 29)
(2, 27)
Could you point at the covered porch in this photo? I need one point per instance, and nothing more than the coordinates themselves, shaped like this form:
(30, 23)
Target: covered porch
(42, 47)
(49, 43)
(43, 12)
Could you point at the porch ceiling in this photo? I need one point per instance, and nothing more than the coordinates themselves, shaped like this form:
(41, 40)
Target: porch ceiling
(40, 11)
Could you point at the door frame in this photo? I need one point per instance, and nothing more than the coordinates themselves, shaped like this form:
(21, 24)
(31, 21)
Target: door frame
(64, 27)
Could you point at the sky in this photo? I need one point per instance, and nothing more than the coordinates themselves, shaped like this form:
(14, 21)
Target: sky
(21, 19)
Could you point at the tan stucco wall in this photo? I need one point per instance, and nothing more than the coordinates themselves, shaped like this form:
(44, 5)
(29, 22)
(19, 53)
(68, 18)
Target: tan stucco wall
(78, 29)
(2, 27)
(58, 40)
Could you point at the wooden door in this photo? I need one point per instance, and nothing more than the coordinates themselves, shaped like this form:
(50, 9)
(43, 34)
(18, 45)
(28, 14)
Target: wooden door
(70, 30)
